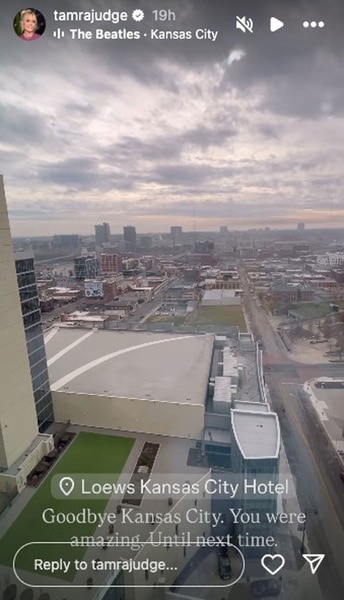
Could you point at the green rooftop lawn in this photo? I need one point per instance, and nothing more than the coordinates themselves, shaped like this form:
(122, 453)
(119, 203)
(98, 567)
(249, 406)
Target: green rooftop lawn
(175, 319)
(88, 453)
(219, 315)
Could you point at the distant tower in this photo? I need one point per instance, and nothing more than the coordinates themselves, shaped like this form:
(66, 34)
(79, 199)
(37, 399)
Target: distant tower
(102, 233)
(300, 227)
(176, 234)
(129, 234)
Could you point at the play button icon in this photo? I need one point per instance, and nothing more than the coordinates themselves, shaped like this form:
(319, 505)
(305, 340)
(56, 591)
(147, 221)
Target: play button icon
(275, 24)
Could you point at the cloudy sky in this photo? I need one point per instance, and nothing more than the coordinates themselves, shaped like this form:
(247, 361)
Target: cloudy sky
(245, 131)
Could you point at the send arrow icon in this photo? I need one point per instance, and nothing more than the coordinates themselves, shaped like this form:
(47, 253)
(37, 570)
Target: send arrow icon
(314, 561)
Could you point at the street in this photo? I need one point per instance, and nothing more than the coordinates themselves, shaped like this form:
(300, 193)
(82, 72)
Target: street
(313, 460)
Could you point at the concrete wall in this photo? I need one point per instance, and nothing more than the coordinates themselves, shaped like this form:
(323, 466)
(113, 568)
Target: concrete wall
(18, 421)
(8, 484)
(130, 414)
(46, 446)
(217, 421)
(18, 480)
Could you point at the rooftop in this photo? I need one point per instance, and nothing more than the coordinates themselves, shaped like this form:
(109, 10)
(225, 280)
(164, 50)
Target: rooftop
(158, 366)
(257, 434)
(218, 294)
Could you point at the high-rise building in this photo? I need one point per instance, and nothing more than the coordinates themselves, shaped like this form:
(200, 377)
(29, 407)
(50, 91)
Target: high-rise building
(300, 227)
(103, 234)
(34, 338)
(176, 234)
(129, 234)
(86, 267)
(18, 421)
(223, 230)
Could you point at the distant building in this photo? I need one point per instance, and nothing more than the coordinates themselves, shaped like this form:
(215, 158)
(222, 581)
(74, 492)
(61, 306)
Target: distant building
(102, 233)
(300, 227)
(181, 294)
(66, 241)
(110, 263)
(63, 295)
(86, 319)
(223, 230)
(331, 259)
(221, 297)
(34, 338)
(176, 234)
(287, 292)
(104, 289)
(129, 235)
(86, 267)
(204, 247)
(146, 241)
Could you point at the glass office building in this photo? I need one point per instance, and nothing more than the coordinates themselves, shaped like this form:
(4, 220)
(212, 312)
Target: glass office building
(34, 338)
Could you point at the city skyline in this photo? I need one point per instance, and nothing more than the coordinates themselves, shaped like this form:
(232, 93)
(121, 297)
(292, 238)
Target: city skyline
(215, 133)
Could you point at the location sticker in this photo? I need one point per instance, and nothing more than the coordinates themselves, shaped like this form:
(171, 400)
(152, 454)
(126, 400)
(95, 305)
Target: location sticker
(66, 485)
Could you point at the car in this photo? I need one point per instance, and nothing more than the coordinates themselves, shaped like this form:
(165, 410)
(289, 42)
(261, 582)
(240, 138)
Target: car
(341, 475)
(265, 588)
(225, 570)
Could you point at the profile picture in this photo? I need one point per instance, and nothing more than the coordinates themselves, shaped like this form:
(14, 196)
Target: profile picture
(29, 24)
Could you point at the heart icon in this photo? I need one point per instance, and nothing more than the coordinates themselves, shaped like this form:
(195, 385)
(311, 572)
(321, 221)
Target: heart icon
(277, 562)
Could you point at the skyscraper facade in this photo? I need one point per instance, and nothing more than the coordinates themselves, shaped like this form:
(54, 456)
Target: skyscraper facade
(176, 234)
(18, 421)
(102, 233)
(34, 338)
(129, 234)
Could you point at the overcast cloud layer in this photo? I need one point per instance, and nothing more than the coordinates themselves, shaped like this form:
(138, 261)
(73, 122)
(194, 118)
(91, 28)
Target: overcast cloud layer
(245, 131)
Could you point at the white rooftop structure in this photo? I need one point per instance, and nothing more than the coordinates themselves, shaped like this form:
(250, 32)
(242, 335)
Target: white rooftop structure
(230, 364)
(222, 395)
(135, 364)
(257, 434)
(220, 297)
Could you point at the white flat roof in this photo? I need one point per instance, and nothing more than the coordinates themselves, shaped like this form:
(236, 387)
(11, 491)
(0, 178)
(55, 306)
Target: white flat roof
(257, 434)
(130, 364)
(217, 294)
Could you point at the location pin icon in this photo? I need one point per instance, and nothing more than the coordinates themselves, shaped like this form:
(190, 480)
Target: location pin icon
(66, 485)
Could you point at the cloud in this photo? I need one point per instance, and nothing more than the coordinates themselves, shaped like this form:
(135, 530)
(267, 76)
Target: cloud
(249, 127)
